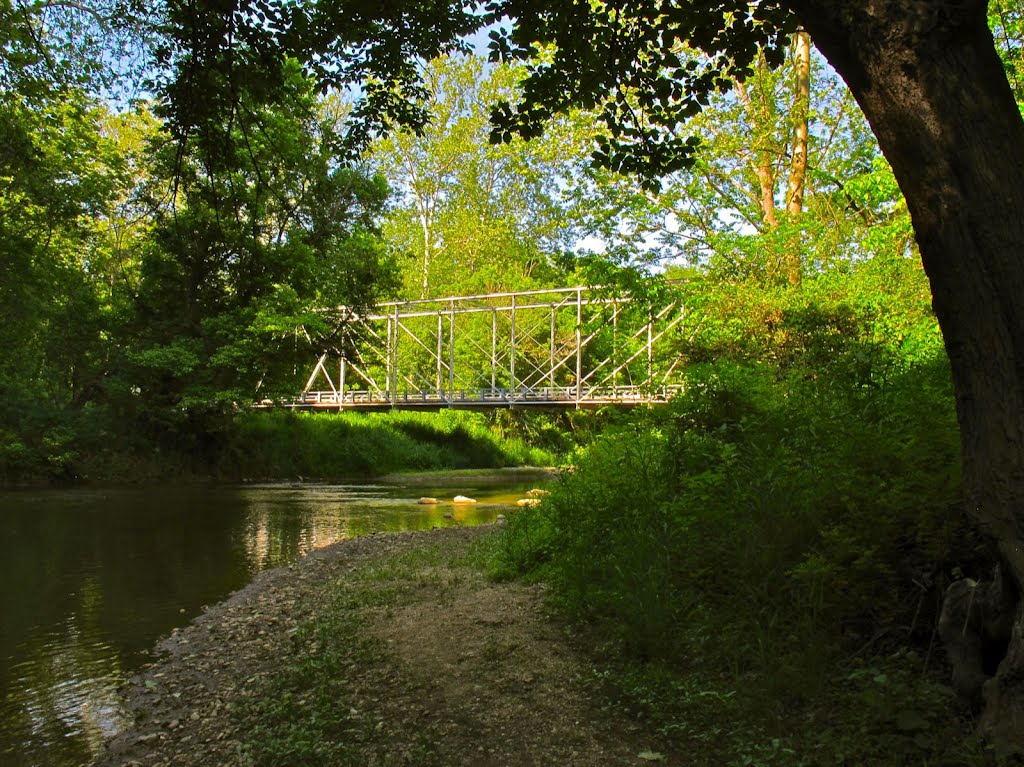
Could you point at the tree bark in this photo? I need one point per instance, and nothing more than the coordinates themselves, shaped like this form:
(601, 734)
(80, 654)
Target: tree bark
(761, 161)
(799, 115)
(930, 83)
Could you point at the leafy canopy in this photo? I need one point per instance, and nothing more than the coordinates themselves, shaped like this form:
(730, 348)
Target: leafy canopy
(213, 52)
(630, 63)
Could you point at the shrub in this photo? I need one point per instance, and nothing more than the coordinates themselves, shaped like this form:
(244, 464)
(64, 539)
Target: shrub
(792, 514)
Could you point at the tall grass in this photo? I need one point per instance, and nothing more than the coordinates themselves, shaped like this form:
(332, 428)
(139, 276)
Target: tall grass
(286, 443)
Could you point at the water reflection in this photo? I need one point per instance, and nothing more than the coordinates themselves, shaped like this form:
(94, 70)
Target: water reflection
(63, 700)
(92, 578)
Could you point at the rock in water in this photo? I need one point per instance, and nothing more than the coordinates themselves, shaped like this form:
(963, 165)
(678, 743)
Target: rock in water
(463, 499)
(427, 501)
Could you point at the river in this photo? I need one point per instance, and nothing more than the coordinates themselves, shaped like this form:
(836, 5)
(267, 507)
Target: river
(91, 578)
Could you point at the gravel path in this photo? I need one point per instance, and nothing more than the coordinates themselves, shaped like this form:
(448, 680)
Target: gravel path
(466, 671)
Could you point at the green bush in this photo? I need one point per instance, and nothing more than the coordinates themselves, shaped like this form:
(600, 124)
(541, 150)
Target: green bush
(784, 509)
(41, 443)
(791, 515)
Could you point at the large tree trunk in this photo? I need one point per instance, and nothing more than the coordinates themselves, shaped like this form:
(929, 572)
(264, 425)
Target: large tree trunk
(799, 114)
(929, 81)
(761, 160)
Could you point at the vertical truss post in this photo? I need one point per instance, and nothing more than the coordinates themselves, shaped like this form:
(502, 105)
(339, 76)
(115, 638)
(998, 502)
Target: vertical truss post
(579, 346)
(440, 337)
(341, 383)
(551, 353)
(494, 349)
(394, 367)
(512, 352)
(389, 363)
(615, 345)
(451, 353)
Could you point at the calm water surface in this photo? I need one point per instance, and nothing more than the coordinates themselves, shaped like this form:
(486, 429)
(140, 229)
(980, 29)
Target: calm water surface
(90, 579)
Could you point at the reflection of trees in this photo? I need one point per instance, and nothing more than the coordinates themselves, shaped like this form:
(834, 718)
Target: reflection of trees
(280, 530)
(64, 702)
(282, 524)
(93, 578)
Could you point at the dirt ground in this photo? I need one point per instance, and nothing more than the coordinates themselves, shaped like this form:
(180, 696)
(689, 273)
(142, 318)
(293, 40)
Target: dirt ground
(476, 672)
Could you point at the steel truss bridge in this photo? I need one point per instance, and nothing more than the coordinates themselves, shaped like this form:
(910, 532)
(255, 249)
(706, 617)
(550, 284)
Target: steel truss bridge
(575, 347)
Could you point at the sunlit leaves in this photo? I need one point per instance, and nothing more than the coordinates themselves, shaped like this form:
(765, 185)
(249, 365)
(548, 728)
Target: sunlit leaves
(58, 173)
(471, 216)
(215, 49)
(623, 59)
(100, 45)
(1006, 19)
(725, 212)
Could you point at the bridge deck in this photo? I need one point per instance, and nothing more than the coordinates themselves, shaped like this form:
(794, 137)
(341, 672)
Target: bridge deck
(554, 397)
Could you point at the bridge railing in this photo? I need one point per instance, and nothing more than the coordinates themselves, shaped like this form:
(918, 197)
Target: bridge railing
(545, 395)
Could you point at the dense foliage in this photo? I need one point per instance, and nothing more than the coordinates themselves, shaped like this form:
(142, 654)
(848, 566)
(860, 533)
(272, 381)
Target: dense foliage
(471, 217)
(759, 551)
(264, 231)
(151, 288)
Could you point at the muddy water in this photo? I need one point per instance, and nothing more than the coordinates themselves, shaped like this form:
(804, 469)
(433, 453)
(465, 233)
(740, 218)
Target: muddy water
(91, 578)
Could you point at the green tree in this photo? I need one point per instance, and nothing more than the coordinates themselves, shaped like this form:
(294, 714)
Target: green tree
(58, 173)
(926, 75)
(210, 54)
(61, 174)
(934, 90)
(100, 46)
(1006, 18)
(741, 211)
(121, 230)
(475, 217)
(265, 228)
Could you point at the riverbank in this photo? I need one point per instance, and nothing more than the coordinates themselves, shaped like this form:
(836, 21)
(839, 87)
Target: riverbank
(390, 649)
(282, 444)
